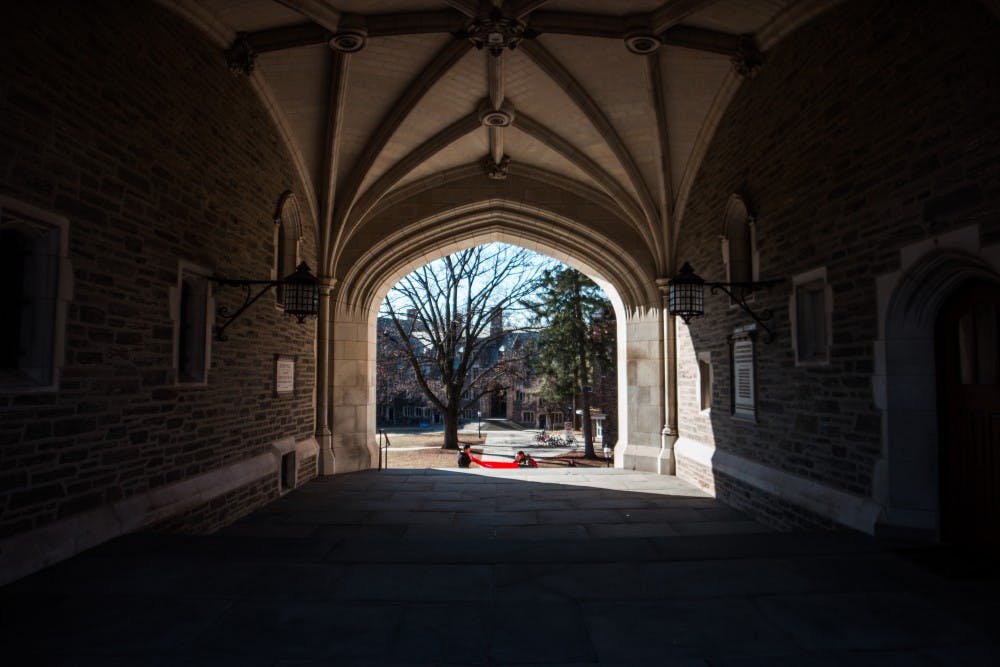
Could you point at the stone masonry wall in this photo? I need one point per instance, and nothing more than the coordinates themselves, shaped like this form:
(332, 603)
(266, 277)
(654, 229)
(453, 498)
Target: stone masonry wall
(124, 119)
(222, 511)
(874, 126)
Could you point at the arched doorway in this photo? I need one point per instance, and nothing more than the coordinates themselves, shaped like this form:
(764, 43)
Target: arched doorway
(968, 379)
(909, 481)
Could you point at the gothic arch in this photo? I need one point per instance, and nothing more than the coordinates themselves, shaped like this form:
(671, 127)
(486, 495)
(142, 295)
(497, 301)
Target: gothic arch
(386, 253)
(908, 481)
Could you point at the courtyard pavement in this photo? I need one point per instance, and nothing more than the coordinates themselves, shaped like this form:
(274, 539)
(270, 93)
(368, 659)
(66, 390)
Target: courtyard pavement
(574, 566)
(503, 445)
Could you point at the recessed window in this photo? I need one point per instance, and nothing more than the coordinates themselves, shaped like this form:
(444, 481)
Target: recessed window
(191, 306)
(705, 380)
(979, 345)
(35, 274)
(288, 472)
(287, 241)
(811, 311)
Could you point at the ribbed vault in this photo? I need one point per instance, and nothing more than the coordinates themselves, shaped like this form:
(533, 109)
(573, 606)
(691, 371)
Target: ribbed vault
(614, 103)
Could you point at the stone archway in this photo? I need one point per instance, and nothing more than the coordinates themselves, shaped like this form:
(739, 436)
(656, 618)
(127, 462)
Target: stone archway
(907, 478)
(630, 287)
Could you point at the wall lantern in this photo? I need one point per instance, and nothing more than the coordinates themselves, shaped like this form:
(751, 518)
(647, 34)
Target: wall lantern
(301, 296)
(686, 296)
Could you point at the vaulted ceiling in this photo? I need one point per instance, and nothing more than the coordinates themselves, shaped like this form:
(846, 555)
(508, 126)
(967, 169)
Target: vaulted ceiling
(615, 99)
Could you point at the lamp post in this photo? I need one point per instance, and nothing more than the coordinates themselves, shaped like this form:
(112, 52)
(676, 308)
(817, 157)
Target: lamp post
(479, 416)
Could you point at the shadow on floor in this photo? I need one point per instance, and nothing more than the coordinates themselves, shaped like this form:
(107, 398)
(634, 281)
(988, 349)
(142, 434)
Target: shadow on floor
(546, 566)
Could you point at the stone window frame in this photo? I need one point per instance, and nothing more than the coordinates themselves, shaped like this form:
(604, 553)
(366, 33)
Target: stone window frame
(190, 270)
(287, 242)
(739, 217)
(815, 280)
(705, 368)
(60, 290)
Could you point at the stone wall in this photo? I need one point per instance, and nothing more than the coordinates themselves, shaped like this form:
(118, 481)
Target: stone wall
(220, 512)
(129, 124)
(872, 128)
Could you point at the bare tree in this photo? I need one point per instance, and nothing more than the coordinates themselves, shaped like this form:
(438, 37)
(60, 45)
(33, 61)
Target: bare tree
(394, 381)
(445, 318)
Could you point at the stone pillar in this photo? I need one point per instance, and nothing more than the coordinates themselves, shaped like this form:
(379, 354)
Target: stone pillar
(352, 414)
(642, 404)
(323, 438)
(668, 435)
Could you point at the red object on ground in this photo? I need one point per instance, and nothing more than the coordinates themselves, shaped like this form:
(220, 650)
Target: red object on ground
(498, 464)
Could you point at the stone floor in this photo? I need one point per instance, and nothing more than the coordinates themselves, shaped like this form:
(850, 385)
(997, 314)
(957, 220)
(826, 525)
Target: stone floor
(474, 567)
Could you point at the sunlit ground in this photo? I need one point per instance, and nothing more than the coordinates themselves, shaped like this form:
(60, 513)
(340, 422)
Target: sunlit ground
(423, 450)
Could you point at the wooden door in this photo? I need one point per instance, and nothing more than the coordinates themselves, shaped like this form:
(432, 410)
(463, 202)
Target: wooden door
(968, 352)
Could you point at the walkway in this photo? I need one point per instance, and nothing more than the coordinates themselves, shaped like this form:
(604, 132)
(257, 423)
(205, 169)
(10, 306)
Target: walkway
(543, 566)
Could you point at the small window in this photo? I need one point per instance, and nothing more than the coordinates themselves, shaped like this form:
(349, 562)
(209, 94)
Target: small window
(288, 471)
(705, 380)
(978, 345)
(528, 417)
(287, 241)
(811, 316)
(191, 306)
(35, 273)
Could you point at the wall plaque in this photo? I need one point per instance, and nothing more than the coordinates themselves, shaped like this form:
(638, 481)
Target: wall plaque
(284, 375)
(744, 391)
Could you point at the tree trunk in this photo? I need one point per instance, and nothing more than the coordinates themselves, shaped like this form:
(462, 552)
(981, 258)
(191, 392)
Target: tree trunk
(450, 419)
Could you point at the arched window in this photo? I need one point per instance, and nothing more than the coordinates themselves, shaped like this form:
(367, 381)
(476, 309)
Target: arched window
(287, 239)
(739, 242)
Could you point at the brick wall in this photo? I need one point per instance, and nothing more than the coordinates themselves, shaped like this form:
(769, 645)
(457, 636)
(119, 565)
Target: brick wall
(124, 119)
(873, 127)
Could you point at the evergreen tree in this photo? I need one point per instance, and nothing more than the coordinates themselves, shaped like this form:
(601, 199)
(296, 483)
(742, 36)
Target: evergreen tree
(569, 310)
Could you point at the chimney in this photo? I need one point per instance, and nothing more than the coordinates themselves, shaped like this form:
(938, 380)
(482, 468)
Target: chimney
(496, 322)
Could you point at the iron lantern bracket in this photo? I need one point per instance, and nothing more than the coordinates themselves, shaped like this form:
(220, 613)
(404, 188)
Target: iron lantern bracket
(738, 293)
(222, 312)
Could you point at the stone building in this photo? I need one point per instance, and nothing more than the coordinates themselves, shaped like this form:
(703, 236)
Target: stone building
(403, 402)
(848, 148)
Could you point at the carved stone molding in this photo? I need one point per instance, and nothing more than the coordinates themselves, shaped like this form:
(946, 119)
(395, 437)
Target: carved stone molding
(496, 32)
(642, 42)
(497, 171)
(349, 40)
(501, 117)
(748, 59)
(241, 57)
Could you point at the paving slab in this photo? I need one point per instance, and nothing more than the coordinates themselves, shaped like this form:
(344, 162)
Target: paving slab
(478, 567)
